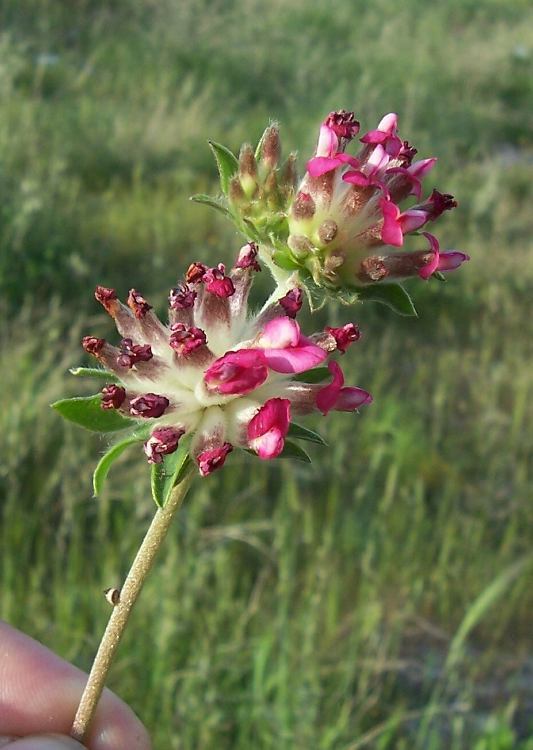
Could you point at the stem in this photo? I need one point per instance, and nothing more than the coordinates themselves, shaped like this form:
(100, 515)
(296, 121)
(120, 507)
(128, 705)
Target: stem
(119, 618)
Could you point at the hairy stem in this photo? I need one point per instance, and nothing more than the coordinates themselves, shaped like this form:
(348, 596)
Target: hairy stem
(119, 618)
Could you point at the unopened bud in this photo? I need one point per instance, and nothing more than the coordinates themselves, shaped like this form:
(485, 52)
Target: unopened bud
(327, 231)
(149, 406)
(248, 170)
(289, 173)
(106, 297)
(113, 396)
(236, 193)
(303, 207)
(271, 147)
(92, 345)
(186, 339)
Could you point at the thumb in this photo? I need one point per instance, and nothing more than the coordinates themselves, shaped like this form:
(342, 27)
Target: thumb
(40, 742)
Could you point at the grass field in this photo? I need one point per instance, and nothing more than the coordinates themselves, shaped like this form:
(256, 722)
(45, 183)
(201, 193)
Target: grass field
(382, 597)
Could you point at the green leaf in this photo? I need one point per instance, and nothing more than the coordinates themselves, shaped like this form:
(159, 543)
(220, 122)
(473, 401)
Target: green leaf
(104, 464)
(94, 372)
(285, 261)
(227, 164)
(169, 472)
(207, 200)
(392, 295)
(293, 450)
(298, 432)
(87, 412)
(317, 375)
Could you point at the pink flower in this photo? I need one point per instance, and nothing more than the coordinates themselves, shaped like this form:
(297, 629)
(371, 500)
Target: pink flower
(447, 261)
(335, 396)
(268, 428)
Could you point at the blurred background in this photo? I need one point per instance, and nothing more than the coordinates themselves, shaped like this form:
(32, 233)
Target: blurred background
(380, 598)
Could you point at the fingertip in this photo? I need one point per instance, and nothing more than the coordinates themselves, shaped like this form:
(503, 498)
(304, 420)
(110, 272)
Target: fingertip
(117, 727)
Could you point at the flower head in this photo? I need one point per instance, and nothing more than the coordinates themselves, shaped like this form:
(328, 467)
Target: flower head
(215, 375)
(348, 215)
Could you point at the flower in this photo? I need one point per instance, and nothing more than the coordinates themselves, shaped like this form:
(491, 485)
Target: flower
(214, 374)
(348, 214)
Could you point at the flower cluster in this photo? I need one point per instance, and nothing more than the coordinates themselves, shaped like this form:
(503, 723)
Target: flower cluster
(214, 373)
(346, 224)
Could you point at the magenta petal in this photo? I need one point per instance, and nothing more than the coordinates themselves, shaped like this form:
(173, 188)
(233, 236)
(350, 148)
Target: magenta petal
(280, 333)
(356, 178)
(352, 398)
(267, 429)
(412, 219)
(326, 397)
(422, 167)
(389, 123)
(319, 165)
(237, 372)
(294, 359)
(391, 231)
(430, 268)
(377, 161)
(327, 141)
(348, 159)
(451, 259)
(374, 136)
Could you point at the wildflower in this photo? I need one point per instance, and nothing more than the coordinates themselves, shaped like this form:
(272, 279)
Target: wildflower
(215, 375)
(346, 222)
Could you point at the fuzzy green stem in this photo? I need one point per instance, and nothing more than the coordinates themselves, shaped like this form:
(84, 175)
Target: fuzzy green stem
(119, 618)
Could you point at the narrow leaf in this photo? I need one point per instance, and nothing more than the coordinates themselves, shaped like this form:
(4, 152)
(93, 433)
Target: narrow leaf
(293, 450)
(94, 372)
(87, 412)
(392, 295)
(497, 589)
(298, 432)
(169, 472)
(105, 463)
(227, 164)
(313, 376)
(207, 200)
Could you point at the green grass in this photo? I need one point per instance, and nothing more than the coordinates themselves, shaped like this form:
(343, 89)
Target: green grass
(380, 598)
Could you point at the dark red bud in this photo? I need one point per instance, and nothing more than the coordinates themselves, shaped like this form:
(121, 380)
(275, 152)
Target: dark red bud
(137, 304)
(164, 440)
(149, 406)
(292, 302)
(247, 257)
(92, 345)
(106, 297)
(131, 353)
(343, 124)
(210, 460)
(217, 283)
(186, 339)
(345, 335)
(181, 297)
(113, 396)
